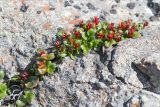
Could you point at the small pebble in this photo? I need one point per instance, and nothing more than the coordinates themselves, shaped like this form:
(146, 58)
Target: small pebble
(91, 6)
(66, 3)
(85, 11)
(102, 17)
(39, 12)
(71, 1)
(0, 9)
(153, 18)
(156, 7)
(131, 5)
(113, 11)
(77, 7)
(52, 8)
(137, 14)
(117, 1)
(82, 4)
(23, 8)
(150, 4)
(76, 17)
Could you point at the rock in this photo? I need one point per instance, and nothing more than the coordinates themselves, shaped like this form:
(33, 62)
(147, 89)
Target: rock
(155, 7)
(23, 8)
(113, 11)
(66, 3)
(153, 18)
(117, 1)
(144, 99)
(77, 7)
(123, 66)
(150, 65)
(91, 6)
(76, 84)
(0, 9)
(131, 5)
(104, 79)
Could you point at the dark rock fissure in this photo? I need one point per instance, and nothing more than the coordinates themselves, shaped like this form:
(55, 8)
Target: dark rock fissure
(142, 77)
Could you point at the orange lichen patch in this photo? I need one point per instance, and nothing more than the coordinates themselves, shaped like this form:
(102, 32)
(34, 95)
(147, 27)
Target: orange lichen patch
(75, 21)
(14, 1)
(47, 26)
(4, 59)
(23, 1)
(17, 13)
(136, 104)
(46, 8)
(69, 29)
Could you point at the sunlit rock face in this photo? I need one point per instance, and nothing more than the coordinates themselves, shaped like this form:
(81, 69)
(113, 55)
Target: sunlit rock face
(122, 76)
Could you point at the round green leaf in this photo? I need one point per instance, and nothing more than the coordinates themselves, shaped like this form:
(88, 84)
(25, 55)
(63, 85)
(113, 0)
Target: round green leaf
(2, 74)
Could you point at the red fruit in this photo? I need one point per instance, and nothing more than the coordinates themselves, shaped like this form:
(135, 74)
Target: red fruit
(41, 63)
(131, 31)
(76, 45)
(96, 20)
(25, 75)
(57, 44)
(110, 36)
(111, 26)
(122, 25)
(81, 23)
(145, 23)
(100, 36)
(42, 53)
(78, 34)
(89, 25)
(71, 40)
(118, 39)
(128, 24)
(64, 36)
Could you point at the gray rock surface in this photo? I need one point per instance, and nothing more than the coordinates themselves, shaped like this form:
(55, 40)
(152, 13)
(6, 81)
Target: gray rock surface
(114, 78)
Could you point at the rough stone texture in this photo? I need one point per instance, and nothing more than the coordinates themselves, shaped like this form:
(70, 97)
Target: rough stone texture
(150, 66)
(133, 51)
(108, 79)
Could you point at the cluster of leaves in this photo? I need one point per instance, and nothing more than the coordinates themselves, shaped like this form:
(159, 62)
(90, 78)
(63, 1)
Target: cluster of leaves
(3, 87)
(5, 91)
(90, 35)
(93, 34)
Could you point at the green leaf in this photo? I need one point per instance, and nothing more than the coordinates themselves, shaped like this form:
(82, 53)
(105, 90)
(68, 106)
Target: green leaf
(113, 42)
(72, 56)
(20, 103)
(50, 67)
(39, 50)
(29, 96)
(63, 54)
(25, 99)
(104, 25)
(51, 56)
(3, 90)
(85, 49)
(32, 82)
(90, 32)
(2, 74)
(78, 41)
(94, 43)
(136, 35)
(84, 36)
(124, 38)
(60, 33)
(107, 43)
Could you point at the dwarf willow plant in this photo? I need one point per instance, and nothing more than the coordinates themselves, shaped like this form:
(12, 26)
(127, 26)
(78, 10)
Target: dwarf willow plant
(90, 35)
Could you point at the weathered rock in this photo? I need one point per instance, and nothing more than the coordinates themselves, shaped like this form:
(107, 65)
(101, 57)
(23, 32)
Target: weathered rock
(92, 80)
(133, 51)
(150, 66)
(144, 99)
